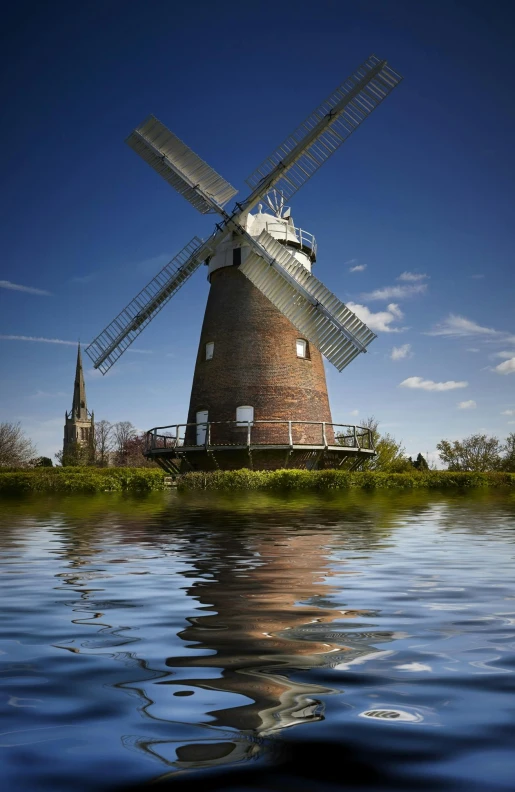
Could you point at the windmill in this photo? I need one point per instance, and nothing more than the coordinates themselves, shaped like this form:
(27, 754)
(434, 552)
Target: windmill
(259, 395)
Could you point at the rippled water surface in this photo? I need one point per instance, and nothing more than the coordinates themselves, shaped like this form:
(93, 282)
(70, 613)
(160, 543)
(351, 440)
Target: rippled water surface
(139, 637)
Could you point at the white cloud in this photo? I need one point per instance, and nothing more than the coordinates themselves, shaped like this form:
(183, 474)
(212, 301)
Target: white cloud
(508, 367)
(467, 405)
(28, 289)
(460, 326)
(401, 352)
(395, 292)
(508, 412)
(39, 339)
(354, 412)
(358, 268)
(429, 385)
(412, 276)
(504, 355)
(379, 321)
(472, 349)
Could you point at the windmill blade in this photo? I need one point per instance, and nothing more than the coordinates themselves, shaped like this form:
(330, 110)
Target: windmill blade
(119, 335)
(180, 166)
(315, 311)
(304, 151)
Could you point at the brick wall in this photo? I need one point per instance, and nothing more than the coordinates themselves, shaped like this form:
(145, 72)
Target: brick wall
(255, 363)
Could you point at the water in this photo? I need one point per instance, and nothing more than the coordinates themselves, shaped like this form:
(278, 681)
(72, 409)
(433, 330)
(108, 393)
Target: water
(139, 637)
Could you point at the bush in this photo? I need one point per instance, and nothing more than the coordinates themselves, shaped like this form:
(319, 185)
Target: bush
(340, 479)
(77, 479)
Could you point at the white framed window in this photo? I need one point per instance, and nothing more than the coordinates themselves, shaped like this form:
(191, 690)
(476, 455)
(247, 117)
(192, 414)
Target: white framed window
(302, 348)
(244, 414)
(210, 349)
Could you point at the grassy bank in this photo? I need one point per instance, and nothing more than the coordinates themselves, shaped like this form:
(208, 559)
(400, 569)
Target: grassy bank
(87, 479)
(340, 480)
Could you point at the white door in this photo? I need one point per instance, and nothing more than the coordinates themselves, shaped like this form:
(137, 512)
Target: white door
(201, 430)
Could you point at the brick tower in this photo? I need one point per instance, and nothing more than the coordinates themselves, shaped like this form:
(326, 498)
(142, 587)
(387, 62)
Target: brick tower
(79, 423)
(252, 363)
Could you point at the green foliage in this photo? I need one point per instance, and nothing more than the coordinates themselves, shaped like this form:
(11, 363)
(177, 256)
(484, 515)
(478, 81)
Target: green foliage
(478, 453)
(42, 462)
(82, 479)
(77, 455)
(340, 479)
(508, 460)
(420, 463)
(390, 455)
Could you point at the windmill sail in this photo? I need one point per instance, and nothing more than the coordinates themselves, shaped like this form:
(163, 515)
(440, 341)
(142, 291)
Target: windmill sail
(180, 166)
(305, 301)
(318, 137)
(112, 342)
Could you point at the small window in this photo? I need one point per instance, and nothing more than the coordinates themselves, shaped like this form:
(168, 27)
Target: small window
(244, 415)
(210, 348)
(302, 348)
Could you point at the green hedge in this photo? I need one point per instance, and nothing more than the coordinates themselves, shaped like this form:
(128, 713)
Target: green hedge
(339, 479)
(87, 479)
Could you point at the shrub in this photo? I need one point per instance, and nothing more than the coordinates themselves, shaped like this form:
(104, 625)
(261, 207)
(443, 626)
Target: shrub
(77, 479)
(340, 479)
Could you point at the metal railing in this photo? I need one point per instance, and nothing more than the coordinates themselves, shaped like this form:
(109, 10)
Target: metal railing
(244, 434)
(291, 234)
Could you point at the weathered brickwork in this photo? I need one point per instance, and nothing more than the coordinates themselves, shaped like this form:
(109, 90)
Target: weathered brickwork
(255, 363)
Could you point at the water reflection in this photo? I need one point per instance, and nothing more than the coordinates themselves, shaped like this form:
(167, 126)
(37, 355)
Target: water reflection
(193, 631)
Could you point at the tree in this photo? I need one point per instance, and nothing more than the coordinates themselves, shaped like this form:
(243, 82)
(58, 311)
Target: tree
(16, 450)
(76, 455)
(134, 452)
(420, 463)
(42, 462)
(508, 460)
(124, 432)
(475, 453)
(103, 442)
(390, 455)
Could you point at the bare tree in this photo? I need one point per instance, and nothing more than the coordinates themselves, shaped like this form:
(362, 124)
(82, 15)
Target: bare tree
(103, 442)
(124, 433)
(16, 450)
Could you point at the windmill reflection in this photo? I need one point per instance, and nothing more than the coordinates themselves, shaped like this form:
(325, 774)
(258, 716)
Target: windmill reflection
(268, 611)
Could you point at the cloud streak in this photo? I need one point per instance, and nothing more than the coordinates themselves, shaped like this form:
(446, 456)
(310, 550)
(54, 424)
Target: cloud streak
(38, 339)
(4, 284)
(358, 268)
(412, 276)
(418, 383)
(456, 326)
(395, 292)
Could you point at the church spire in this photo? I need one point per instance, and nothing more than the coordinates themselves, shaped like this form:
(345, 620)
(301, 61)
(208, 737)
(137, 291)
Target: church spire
(79, 406)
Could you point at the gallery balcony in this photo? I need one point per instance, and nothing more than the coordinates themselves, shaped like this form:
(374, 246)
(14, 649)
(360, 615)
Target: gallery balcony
(258, 445)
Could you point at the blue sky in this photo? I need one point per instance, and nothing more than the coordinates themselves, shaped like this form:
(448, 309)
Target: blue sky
(424, 187)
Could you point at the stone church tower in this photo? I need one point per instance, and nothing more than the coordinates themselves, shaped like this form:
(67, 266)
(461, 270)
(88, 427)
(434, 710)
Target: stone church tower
(79, 422)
